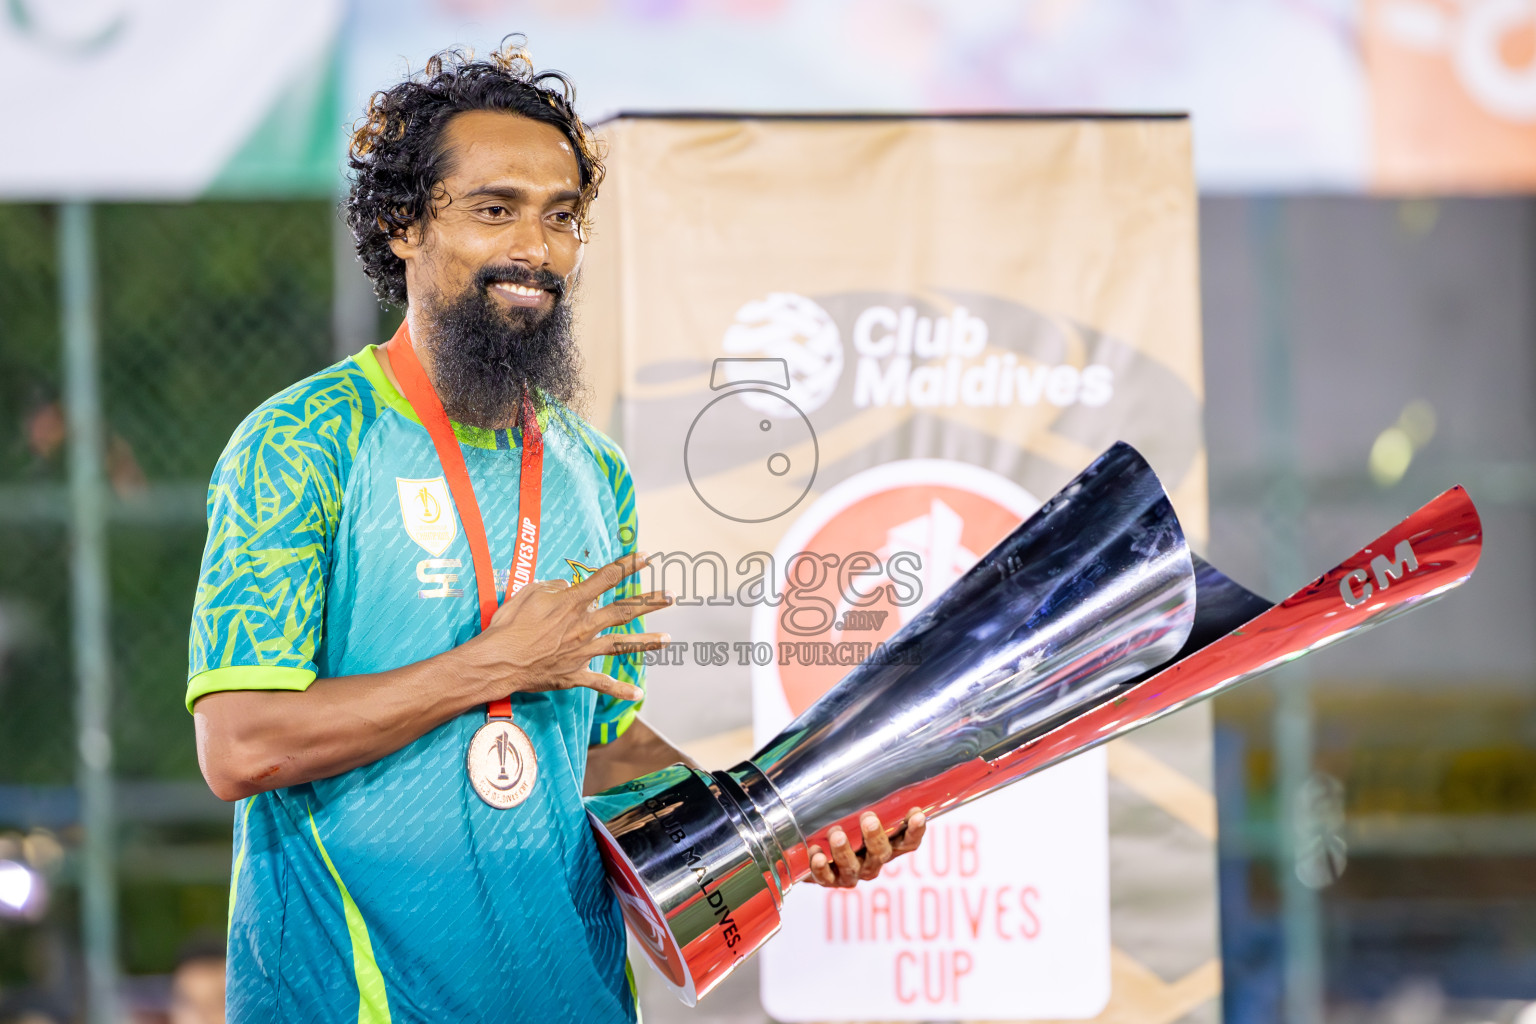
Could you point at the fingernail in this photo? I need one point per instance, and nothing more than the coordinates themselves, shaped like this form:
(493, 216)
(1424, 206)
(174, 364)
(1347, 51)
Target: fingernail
(918, 818)
(869, 821)
(635, 693)
(819, 861)
(837, 838)
(669, 597)
(666, 638)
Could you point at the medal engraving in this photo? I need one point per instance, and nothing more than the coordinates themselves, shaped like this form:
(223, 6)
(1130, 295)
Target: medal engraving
(501, 764)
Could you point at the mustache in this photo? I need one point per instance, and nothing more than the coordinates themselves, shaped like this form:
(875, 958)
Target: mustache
(515, 273)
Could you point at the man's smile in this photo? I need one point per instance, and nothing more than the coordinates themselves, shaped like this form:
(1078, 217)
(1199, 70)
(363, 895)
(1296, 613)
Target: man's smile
(521, 295)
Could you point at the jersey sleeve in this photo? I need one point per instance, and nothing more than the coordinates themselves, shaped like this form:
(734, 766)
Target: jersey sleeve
(613, 715)
(273, 504)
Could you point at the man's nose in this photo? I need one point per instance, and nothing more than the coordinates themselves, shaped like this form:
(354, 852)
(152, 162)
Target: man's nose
(527, 243)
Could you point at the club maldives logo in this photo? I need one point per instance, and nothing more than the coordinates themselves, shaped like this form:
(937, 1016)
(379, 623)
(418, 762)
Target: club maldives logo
(903, 354)
(943, 360)
(796, 330)
(903, 532)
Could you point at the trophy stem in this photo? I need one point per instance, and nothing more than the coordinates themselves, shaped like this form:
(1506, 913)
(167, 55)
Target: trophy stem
(775, 834)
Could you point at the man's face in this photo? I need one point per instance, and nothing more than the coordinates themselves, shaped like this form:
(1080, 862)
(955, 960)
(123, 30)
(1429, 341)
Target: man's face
(511, 206)
(489, 270)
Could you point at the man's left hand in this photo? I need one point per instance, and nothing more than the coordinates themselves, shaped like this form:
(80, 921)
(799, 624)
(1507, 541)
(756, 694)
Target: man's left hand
(844, 868)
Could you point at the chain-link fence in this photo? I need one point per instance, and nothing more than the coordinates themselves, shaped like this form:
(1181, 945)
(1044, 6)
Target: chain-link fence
(204, 310)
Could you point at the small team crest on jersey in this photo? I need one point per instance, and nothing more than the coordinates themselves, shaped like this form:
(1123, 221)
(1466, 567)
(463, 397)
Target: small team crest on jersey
(427, 509)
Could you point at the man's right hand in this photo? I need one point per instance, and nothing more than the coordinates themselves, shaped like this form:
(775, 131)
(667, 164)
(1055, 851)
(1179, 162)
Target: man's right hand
(544, 636)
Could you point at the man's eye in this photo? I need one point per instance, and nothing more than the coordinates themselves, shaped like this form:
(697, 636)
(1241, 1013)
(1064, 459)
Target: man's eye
(494, 211)
(565, 218)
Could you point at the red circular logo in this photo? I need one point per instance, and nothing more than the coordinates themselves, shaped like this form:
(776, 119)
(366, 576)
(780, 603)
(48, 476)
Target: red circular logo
(867, 557)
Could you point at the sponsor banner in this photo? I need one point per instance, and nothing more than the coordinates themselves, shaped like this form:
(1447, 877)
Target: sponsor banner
(173, 99)
(1276, 88)
(985, 920)
(1385, 95)
(1453, 94)
(845, 357)
(1356, 95)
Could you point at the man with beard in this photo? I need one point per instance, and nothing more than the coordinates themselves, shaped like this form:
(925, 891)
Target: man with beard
(395, 546)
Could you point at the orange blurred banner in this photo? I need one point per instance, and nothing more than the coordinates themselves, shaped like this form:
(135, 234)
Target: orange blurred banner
(1453, 94)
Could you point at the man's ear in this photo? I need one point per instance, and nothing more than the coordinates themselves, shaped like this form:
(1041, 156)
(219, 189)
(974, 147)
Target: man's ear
(405, 244)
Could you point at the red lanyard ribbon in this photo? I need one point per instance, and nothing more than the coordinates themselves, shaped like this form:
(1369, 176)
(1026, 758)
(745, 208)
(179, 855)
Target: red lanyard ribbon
(419, 392)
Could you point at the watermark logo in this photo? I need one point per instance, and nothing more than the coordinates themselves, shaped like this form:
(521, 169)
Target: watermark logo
(751, 454)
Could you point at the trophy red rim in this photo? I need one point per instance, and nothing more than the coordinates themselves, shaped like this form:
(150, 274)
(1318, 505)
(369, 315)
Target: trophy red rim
(670, 963)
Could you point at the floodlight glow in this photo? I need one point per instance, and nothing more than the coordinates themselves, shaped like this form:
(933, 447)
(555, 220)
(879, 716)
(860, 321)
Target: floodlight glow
(22, 891)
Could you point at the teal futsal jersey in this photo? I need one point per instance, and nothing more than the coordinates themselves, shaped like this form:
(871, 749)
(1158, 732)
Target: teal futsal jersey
(391, 892)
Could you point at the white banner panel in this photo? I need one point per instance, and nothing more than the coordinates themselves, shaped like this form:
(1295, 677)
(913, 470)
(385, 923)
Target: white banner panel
(985, 922)
(150, 98)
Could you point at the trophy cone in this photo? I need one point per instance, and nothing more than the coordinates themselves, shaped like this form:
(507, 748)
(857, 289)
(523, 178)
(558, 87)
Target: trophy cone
(1090, 618)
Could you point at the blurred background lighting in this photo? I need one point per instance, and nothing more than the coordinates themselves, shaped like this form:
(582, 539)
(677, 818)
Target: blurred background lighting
(42, 850)
(1418, 422)
(1393, 450)
(23, 893)
(1390, 456)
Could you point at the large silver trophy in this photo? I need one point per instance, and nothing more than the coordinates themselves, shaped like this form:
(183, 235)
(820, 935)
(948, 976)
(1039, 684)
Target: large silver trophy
(1092, 618)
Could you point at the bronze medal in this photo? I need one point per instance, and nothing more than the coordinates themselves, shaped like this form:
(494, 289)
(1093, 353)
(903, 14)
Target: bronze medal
(501, 764)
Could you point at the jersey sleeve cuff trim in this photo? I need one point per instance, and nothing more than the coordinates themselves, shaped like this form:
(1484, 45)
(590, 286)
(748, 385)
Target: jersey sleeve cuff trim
(247, 677)
(607, 732)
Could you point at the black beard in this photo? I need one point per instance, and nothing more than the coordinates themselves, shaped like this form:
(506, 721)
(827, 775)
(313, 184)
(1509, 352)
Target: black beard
(486, 357)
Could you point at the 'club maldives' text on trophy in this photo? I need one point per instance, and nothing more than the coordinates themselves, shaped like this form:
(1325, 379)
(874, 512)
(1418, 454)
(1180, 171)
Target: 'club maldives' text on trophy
(1092, 618)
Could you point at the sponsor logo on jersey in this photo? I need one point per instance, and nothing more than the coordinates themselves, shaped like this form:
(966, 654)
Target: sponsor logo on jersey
(426, 508)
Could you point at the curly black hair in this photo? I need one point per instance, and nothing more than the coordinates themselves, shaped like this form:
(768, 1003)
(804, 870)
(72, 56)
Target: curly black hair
(397, 159)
